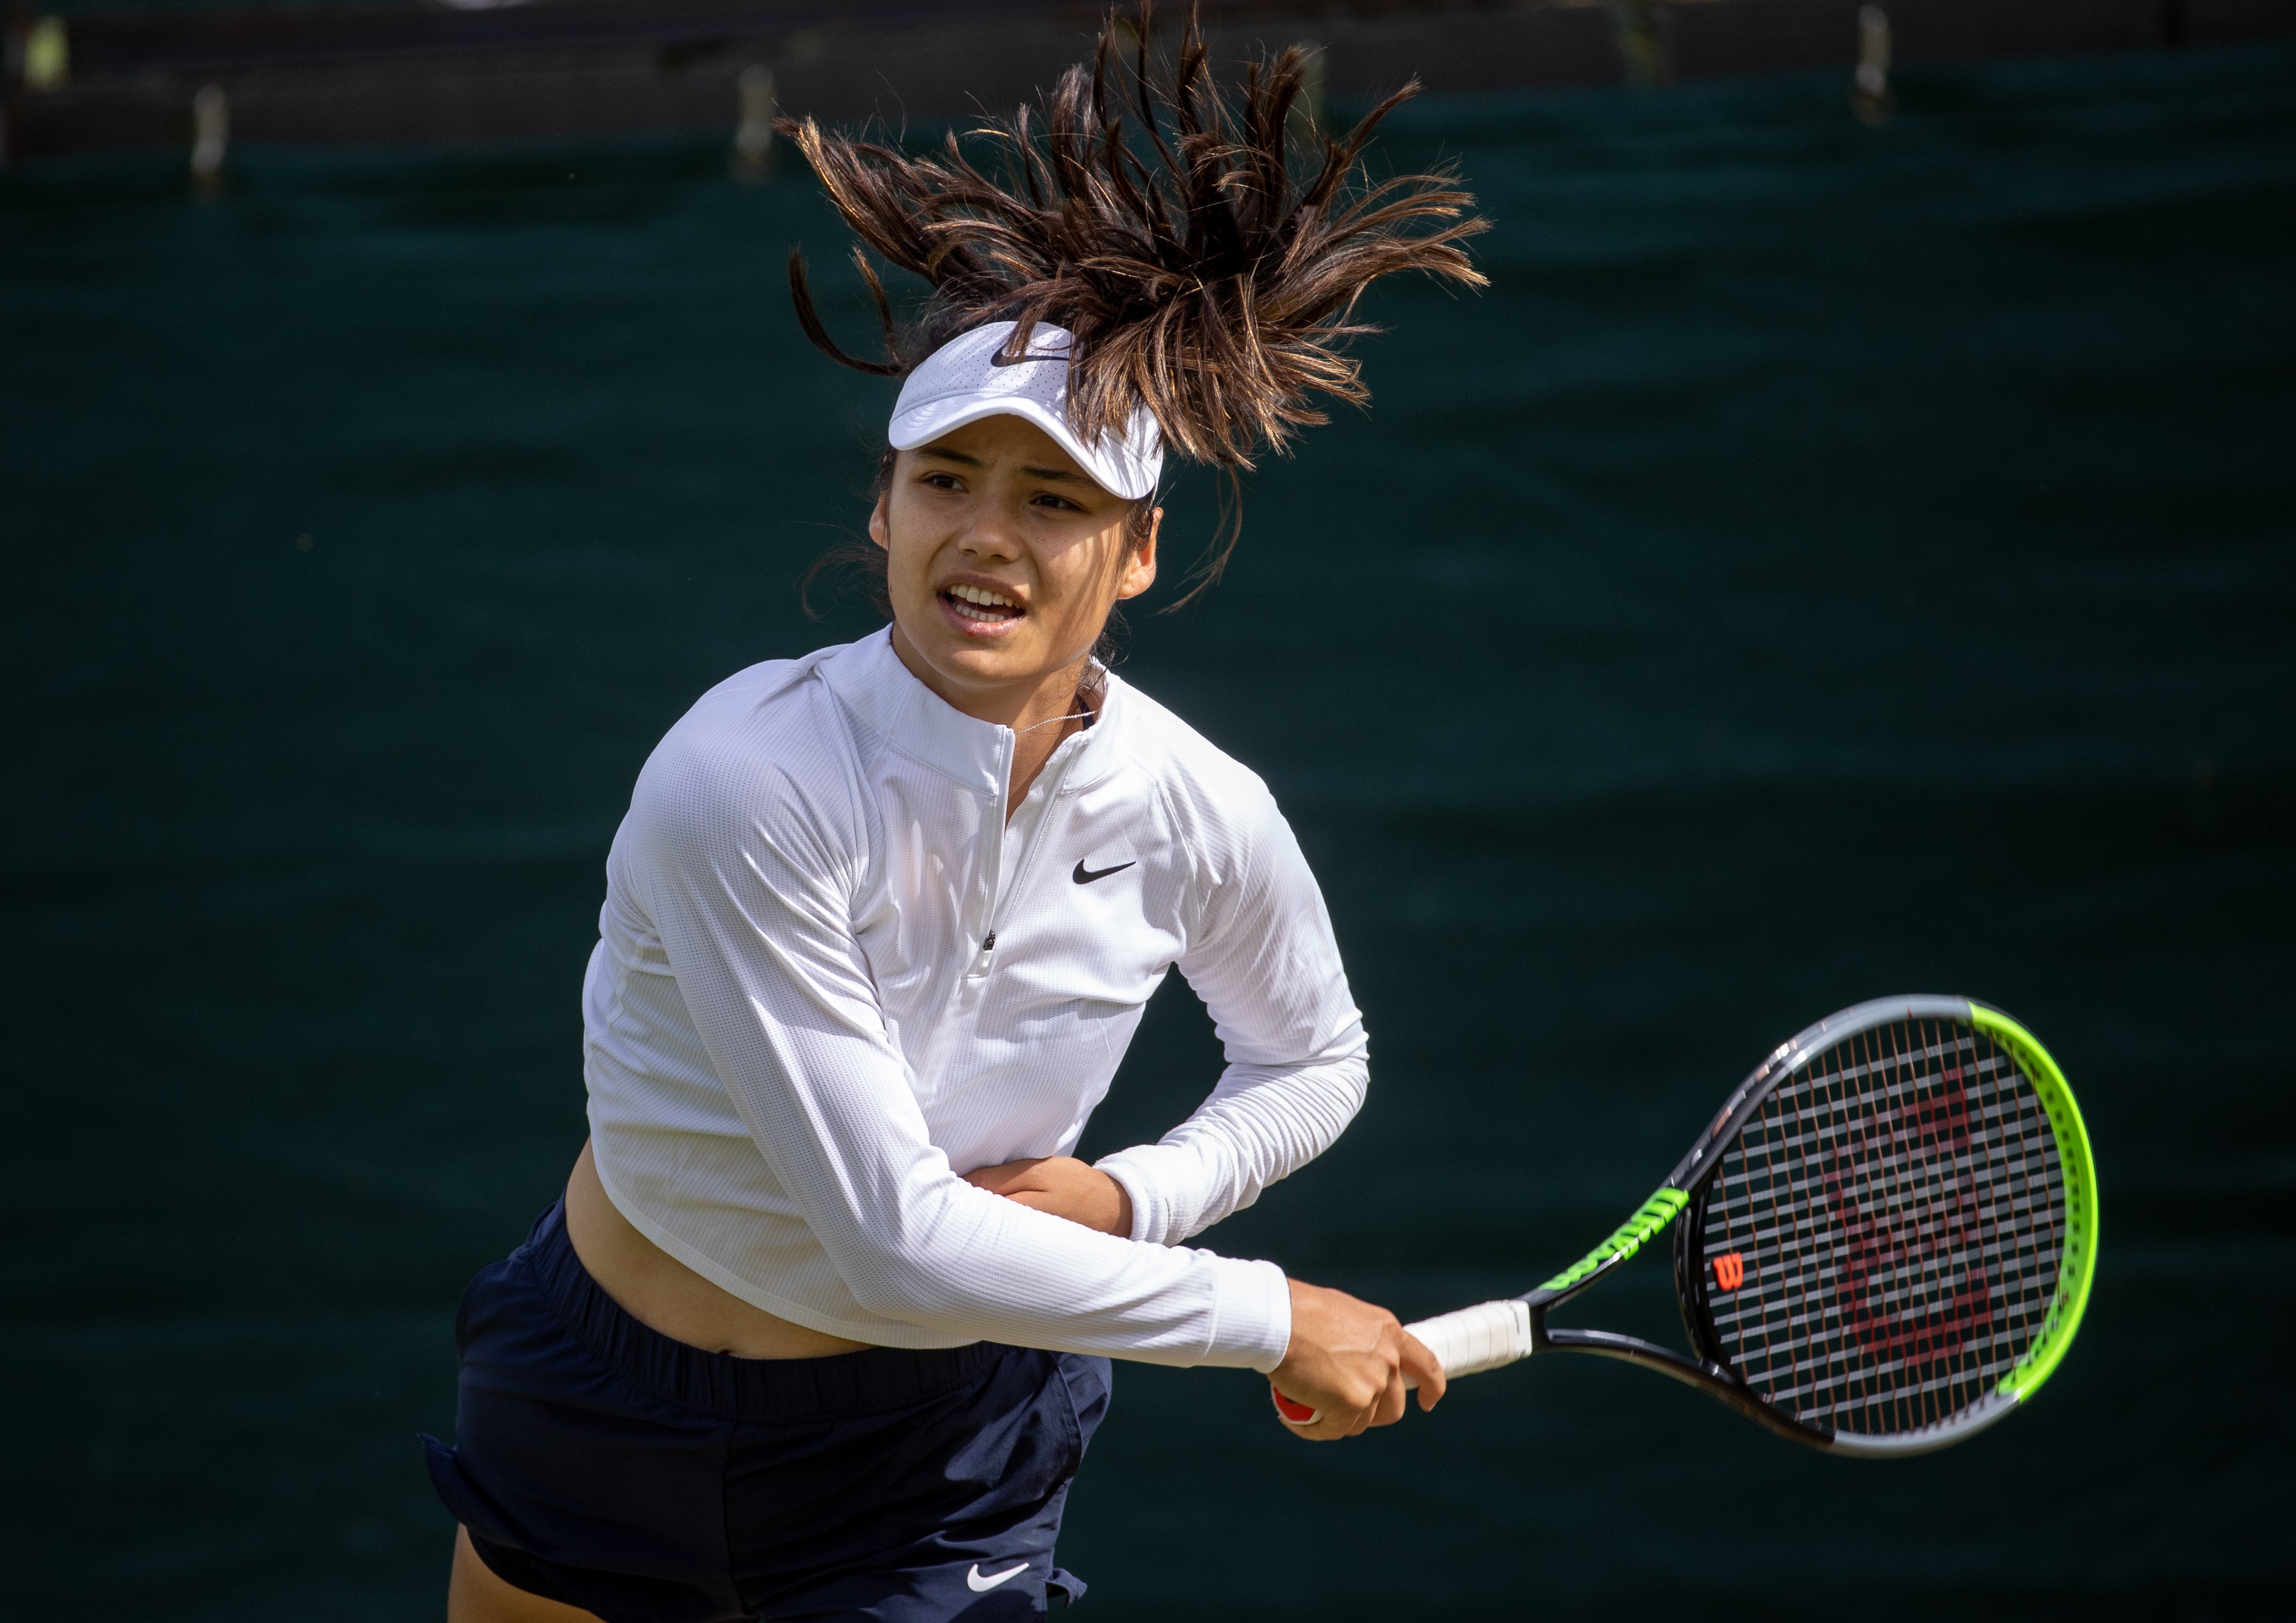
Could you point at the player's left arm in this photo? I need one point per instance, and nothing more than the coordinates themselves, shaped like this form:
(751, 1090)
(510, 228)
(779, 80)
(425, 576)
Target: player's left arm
(1064, 1187)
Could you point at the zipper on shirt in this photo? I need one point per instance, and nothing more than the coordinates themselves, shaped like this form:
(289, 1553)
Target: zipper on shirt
(1000, 895)
(992, 862)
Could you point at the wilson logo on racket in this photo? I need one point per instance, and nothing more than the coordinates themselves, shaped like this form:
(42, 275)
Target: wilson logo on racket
(1940, 1243)
(1730, 1270)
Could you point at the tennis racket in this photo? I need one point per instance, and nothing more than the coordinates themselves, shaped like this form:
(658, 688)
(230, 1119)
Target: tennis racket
(1885, 1238)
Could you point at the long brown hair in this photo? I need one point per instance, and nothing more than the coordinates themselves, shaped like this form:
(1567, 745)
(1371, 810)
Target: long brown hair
(1155, 216)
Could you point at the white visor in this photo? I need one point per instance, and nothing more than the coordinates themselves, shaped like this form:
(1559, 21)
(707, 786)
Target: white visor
(960, 382)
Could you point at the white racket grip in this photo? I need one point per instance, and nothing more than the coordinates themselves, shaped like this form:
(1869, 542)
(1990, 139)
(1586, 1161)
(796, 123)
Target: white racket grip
(1488, 1335)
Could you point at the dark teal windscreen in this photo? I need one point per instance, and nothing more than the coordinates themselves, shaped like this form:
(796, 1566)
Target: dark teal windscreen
(1804, 500)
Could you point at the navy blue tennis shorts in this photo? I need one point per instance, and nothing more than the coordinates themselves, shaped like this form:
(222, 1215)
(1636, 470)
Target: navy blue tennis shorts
(605, 1465)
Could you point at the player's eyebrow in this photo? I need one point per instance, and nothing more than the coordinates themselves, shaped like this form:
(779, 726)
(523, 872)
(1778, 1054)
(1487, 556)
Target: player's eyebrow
(1060, 476)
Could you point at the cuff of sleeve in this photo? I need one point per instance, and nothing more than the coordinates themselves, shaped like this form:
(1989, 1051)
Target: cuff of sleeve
(1254, 1327)
(1151, 1209)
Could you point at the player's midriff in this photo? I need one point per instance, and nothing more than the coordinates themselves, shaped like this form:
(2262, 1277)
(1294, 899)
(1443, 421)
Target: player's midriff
(664, 1295)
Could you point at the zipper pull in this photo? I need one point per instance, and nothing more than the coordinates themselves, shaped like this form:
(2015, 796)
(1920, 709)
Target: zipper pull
(980, 959)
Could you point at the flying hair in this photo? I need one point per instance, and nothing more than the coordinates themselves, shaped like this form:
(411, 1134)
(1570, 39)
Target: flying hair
(1155, 216)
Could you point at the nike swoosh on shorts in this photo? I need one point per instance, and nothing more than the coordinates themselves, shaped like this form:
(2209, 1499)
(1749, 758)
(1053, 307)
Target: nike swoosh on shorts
(983, 1585)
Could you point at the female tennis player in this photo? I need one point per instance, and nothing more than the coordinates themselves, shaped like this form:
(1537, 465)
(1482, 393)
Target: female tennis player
(822, 1325)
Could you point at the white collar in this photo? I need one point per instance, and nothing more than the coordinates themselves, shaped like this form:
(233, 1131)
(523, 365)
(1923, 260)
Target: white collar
(888, 699)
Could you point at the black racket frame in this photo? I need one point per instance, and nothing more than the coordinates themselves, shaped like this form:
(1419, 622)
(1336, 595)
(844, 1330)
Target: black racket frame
(1707, 1369)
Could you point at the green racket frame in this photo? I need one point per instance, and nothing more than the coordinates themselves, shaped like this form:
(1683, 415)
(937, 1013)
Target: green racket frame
(1685, 1186)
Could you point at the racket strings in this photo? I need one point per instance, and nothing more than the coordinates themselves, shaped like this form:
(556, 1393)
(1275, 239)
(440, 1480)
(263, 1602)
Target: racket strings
(1896, 1212)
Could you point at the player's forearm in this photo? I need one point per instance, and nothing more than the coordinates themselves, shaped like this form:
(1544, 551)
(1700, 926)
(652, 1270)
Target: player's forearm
(1262, 1124)
(1024, 1277)
(1063, 1187)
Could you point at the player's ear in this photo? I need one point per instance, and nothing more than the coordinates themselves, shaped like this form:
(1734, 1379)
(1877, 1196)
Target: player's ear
(880, 529)
(1140, 558)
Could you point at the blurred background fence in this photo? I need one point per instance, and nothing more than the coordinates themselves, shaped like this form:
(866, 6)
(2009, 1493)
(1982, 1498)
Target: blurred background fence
(101, 73)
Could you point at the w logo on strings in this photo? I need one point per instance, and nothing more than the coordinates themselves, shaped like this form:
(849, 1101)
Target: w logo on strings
(1730, 1270)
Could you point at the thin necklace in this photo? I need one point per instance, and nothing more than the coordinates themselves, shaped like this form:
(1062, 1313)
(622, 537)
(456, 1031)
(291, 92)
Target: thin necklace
(1086, 714)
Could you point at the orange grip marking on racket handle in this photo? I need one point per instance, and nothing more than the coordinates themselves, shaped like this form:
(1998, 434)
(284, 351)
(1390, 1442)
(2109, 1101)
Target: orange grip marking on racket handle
(1296, 1413)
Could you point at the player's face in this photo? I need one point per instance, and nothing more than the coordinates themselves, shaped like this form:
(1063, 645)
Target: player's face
(1002, 560)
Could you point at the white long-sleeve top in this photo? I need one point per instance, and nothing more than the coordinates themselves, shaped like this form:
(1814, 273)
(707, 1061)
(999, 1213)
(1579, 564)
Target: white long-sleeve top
(831, 975)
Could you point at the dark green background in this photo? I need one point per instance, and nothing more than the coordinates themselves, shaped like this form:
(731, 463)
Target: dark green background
(1829, 561)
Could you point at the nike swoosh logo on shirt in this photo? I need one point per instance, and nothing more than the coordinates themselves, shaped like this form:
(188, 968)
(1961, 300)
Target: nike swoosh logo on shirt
(983, 1585)
(1085, 876)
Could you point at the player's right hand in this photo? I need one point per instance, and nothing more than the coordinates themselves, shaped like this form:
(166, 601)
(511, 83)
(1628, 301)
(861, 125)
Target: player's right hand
(1349, 1362)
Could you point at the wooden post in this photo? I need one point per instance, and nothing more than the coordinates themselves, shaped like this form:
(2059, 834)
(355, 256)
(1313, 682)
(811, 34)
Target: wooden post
(210, 138)
(1304, 127)
(753, 137)
(1869, 89)
(1642, 45)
